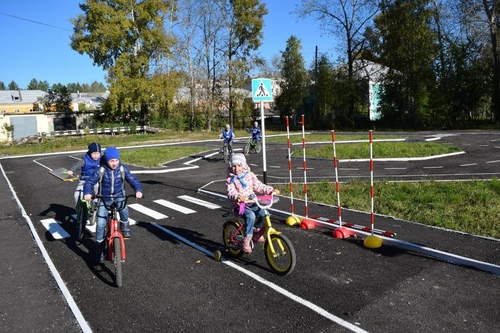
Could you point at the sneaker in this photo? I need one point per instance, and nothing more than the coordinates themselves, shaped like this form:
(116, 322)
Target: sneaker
(99, 253)
(125, 230)
(247, 248)
(261, 239)
(126, 234)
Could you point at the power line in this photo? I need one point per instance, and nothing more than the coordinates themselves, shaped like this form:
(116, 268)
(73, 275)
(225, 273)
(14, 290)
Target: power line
(36, 22)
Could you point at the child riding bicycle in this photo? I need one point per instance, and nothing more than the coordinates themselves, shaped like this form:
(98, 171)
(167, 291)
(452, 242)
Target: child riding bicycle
(111, 176)
(228, 135)
(89, 163)
(241, 185)
(256, 132)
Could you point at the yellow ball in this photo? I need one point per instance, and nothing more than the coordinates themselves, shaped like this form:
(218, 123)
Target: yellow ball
(372, 242)
(292, 220)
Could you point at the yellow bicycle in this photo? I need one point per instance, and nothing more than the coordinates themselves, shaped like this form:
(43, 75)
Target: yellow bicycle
(279, 251)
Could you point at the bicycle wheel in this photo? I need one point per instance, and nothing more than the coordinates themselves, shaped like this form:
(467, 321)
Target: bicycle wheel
(258, 147)
(117, 261)
(225, 151)
(246, 149)
(83, 215)
(284, 261)
(233, 245)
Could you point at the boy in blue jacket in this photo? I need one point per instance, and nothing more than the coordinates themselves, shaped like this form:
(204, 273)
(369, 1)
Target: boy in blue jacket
(112, 189)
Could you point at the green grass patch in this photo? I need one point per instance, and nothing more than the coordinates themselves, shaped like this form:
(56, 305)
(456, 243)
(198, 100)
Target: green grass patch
(156, 157)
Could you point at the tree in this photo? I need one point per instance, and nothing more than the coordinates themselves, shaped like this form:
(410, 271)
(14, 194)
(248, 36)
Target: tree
(127, 38)
(2, 85)
(294, 83)
(245, 34)
(408, 49)
(13, 86)
(58, 98)
(38, 85)
(347, 19)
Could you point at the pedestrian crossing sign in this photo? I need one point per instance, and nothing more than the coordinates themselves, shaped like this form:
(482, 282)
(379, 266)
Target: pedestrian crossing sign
(262, 90)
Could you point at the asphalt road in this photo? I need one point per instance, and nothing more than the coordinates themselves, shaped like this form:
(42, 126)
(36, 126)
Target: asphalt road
(338, 285)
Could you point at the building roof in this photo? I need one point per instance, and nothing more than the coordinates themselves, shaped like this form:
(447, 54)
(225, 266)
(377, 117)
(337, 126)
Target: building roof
(20, 96)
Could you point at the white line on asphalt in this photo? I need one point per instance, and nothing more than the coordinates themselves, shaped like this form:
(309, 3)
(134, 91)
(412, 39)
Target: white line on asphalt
(62, 286)
(174, 206)
(54, 228)
(200, 202)
(496, 161)
(469, 164)
(271, 285)
(434, 167)
(147, 211)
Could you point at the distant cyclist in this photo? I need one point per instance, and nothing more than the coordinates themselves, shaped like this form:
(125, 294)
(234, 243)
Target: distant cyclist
(256, 132)
(228, 135)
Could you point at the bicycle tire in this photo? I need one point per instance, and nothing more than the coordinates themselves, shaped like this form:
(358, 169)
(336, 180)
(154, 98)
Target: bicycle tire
(82, 221)
(258, 147)
(229, 228)
(117, 261)
(246, 149)
(284, 261)
(225, 152)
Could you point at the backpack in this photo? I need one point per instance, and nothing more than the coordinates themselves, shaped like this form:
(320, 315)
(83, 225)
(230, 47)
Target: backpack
(101, 173)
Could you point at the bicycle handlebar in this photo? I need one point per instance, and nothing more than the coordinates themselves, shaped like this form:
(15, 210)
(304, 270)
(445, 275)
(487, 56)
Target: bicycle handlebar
(114, 205)
(264, 201)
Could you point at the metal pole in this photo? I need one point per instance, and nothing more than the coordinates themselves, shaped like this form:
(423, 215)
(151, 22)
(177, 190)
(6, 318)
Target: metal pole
(263, 128)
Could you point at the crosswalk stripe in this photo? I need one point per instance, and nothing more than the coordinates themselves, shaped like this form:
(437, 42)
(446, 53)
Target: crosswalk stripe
(200, 202)
(147, 211)
(174, 206)
(54, 228)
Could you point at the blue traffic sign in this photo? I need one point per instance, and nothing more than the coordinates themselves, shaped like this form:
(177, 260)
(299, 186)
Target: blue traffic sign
(262, 90)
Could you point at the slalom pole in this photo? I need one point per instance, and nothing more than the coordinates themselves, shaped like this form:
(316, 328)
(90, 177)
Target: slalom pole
(292, 219)
(372, 192)
(337, 186)
(340, 232)
(306, 209)
(372, 241)
(292, 209)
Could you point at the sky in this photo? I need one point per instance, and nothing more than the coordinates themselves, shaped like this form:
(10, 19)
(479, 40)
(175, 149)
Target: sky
(36, 38)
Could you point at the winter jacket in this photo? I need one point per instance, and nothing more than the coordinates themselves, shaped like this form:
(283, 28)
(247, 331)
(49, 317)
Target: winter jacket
(112, 183)
(246, 184)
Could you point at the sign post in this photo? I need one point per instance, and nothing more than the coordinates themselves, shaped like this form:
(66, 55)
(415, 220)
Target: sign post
(262, 92)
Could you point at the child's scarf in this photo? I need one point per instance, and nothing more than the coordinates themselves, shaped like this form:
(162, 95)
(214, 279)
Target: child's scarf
(240, 178)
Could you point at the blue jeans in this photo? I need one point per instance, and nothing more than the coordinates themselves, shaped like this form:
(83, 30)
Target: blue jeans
(102, 215)
(253, 213)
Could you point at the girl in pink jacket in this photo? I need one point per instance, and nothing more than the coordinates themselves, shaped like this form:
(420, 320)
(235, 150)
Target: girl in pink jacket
(242, 184)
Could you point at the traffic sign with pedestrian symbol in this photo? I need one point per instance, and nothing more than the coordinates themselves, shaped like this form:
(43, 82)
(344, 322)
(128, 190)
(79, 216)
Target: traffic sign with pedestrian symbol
(262, 90)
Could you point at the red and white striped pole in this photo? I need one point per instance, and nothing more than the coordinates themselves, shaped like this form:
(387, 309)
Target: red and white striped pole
(292, 209)
(372, 192)
(337, 186)
(304, 163)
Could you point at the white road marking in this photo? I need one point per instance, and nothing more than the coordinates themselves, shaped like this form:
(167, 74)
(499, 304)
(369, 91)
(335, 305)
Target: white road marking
(434, 167)
(175, 207)
(269, 284)
(55, 273)
(200, 202)
(54, 228)
(147, 211)
(496, 161)
(469, 164)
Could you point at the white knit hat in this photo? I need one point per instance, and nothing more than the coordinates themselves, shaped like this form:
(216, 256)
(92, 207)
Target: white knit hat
(238, 159)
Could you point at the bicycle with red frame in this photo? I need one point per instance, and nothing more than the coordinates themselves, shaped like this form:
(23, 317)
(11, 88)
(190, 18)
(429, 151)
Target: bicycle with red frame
(279, 251)
(114, 240)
